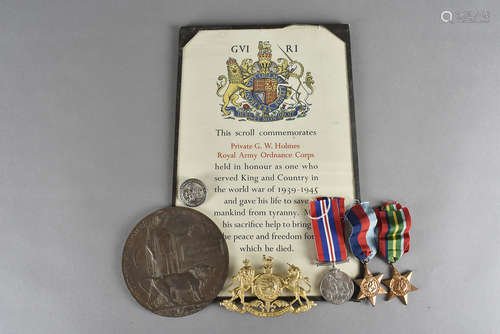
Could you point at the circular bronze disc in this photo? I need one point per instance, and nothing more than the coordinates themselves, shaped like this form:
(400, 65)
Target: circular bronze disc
(175, 261)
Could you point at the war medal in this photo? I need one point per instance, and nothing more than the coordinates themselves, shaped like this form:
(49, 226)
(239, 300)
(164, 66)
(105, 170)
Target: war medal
(327, 217)
(394, 223)
(363, 242)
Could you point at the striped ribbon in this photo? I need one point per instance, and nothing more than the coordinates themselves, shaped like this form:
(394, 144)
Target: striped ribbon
(363, 239)
(327, 215)
(394, 223)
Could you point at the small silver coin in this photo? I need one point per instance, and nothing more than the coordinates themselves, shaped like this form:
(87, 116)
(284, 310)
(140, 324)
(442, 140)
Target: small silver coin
(192, 192)
(336, 287)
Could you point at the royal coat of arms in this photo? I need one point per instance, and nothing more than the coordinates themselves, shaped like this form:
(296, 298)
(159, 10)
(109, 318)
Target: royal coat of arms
(265, 90)
(267, 287)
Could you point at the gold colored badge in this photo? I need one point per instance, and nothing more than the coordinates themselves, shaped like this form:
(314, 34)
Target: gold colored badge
(267, 287)
(399, 285)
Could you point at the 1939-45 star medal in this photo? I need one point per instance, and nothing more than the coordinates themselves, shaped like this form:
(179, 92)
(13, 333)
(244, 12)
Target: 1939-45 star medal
(363, 242)
(327, 218)
(369, 286)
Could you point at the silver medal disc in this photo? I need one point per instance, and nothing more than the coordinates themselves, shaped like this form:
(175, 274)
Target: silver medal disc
(336, 287)
(192, 192)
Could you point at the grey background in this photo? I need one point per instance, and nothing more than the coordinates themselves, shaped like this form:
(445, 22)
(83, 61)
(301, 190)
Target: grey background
(87, 100)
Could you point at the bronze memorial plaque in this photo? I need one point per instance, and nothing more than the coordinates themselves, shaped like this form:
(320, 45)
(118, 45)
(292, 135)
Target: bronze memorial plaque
(175, 261)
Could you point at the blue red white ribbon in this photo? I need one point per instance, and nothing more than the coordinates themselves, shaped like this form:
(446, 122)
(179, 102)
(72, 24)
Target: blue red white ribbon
(394, 223)
(363, 239)
(327, 217)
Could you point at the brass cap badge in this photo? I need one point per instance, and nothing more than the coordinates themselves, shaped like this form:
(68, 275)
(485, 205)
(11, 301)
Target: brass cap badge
(267, 287)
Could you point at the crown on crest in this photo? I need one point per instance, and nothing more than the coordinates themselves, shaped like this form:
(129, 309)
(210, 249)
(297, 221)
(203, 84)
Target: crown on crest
(265, 52)
(231, 61)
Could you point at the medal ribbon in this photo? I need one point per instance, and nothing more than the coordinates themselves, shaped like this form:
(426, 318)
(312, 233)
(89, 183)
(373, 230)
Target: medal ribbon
(327, 215)
(394, 223)
(363, 239)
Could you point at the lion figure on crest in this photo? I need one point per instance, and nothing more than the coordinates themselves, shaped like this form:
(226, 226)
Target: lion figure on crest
(236, 83)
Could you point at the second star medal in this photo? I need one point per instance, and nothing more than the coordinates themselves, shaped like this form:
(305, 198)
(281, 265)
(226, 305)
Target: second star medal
(394, 223)
(327, 216)
(363, 242)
